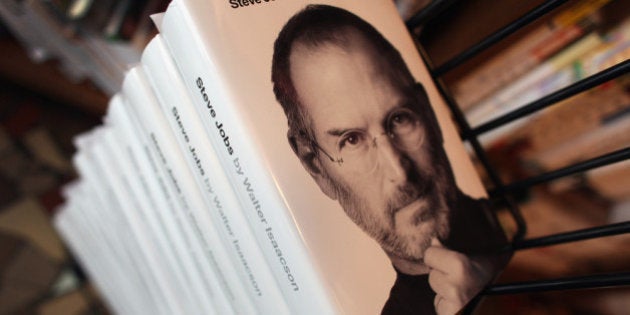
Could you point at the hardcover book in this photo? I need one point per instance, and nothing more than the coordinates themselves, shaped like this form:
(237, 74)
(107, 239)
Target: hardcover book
(222, 286)
(220, 200)
(147, 218)
(341, 153)
(164, 217)
(103, 215)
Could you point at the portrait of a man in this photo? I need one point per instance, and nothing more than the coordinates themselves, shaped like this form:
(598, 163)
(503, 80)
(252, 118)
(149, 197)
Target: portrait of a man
(365, 131)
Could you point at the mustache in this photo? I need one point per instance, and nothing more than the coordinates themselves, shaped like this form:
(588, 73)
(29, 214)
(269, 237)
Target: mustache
(414, 187)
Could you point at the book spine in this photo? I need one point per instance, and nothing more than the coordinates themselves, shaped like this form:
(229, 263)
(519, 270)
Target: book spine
(226, 283)
(609, 137)
(145, 221)
(114, 236)
(85, 240)
(589, 56)
(167, 222)
(62, 221)
(14, 16)
(106, 168)
(268, 215)
(109, 154)
(218, 195)
(70, 235)
(578, 116)
(502, 101)
(529, 51)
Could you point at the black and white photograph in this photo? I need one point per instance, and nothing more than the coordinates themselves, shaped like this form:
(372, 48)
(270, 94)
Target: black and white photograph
(366, 133)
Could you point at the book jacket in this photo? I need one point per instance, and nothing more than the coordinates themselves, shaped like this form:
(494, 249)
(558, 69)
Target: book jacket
(328, 106)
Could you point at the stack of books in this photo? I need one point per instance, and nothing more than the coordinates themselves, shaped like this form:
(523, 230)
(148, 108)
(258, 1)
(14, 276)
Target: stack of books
(579, 40)
(90, 40)
(280, 157)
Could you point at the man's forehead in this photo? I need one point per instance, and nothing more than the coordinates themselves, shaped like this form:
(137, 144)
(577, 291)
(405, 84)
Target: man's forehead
(347, 41)
(350, 42)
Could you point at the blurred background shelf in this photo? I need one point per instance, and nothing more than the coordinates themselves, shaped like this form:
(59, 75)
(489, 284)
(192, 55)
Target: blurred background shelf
(46, 79)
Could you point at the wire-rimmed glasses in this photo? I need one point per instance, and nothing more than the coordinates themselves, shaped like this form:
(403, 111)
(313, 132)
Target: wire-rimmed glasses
(357, 147)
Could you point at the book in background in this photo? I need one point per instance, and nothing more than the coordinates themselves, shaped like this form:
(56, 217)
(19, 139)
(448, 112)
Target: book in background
(586, 57)
(527, 52)
(94, 40)
(551, 145)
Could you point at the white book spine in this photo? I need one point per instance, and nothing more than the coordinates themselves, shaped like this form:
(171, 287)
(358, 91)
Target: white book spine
(218, 195)
(177, 221)
(268, 216)
(164, 220)
(226, 283)
(112, 235)
(144, 224)
(141, 246)
(122, 211)
(61, 221)
(96, 216)
(91, 251)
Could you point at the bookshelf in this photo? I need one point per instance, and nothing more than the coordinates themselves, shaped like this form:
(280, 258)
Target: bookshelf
(75, 51)
(45, 78)
(48, 96)
(455, 50)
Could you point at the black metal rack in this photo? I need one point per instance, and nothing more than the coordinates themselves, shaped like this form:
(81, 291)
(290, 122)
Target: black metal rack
(505, 192)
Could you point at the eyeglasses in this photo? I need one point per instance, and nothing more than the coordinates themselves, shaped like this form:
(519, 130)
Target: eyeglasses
(357, 148)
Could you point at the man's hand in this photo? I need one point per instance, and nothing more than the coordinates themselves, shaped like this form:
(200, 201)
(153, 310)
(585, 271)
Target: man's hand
(454, 277)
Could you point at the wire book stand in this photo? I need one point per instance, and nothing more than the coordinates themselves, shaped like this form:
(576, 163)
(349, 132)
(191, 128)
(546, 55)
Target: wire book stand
(504, 192)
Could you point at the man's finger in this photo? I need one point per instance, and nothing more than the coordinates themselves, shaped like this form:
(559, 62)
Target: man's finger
(443, 286)
(437, 301)
(436, 242)
(452, 263)
(446, 307)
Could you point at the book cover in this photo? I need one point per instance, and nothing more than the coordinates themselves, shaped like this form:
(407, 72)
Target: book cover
(341, 152)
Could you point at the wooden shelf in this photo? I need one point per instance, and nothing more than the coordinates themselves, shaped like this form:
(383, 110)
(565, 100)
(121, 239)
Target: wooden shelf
(46, 79)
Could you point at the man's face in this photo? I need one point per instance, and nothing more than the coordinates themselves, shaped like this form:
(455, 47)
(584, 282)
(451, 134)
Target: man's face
(397, 194)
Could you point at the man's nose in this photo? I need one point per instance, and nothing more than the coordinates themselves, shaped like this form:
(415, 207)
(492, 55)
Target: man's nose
(390, 160)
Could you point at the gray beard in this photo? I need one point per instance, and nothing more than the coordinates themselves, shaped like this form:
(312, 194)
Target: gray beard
(437, 194)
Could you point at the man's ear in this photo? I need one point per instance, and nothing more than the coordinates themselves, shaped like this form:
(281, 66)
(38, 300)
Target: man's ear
(303, 148)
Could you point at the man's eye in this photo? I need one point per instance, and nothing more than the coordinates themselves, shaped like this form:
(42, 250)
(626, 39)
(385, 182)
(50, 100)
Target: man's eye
(351, 140)
(403, 121)
(402, 118)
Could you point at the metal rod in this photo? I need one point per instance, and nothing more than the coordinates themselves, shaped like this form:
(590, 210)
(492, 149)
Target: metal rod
(573, 283)
(601, 231)
(610, 158)
(431, 10)
(580, 86)
(497, 36)
(461, 121)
